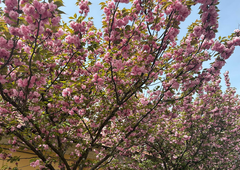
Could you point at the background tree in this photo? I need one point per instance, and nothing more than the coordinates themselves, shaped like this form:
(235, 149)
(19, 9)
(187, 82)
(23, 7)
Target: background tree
(71, 89)
(195, 133)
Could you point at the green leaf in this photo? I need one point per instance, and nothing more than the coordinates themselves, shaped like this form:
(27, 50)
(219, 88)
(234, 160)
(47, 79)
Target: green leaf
(83, 43)
(80, 19)
(14, 159)
(193, 42)
(60, 12)
(128, 28)
(90, 48)
(37, 57)
(102, 3)
(90, 18)
(166, 5)
(59, 3)
(15, 53)
(117, 29)
(21, 18)
(49, 55)
(190, 3)
(7, 34)
(4, 70)
(21, 69)
(32, 160)
(103, 6)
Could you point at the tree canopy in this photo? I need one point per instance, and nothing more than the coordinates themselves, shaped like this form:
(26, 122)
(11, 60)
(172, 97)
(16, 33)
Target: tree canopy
(131, 91)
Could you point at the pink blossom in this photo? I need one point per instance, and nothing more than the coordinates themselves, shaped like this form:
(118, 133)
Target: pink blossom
(13, 14)
(236, 30)
(37, 4)
(76, 99)
(28, 19)
(151, 139)
(55, 21)
(52, 6)
(84, 8)
(35, 164)
(83, 86)
(15, 92)
(90, 33)
(78, 145)
(2, 79)
(60, 131)
(3, 41)
(175, 85)
(32, 27)
(11, 3)
(66, 92)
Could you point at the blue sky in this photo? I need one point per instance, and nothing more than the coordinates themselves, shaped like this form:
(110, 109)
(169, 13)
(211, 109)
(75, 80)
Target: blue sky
(229, 21)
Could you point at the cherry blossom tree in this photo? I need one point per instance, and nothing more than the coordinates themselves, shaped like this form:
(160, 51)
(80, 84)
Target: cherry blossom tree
(195, 133)
(71, 89)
